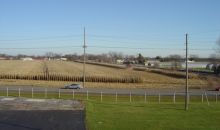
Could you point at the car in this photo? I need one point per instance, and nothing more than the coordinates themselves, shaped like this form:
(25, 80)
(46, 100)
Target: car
(217, 88)
(73, 86)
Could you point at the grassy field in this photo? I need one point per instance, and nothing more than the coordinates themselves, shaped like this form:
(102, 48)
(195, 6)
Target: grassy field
(140, 115)
(76, 69)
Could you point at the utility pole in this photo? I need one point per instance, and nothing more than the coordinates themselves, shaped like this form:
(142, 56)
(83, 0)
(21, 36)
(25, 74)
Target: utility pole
(186, 91)
(84, 58)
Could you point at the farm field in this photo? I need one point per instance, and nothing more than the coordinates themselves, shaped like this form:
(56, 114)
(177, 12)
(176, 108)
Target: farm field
(148, 78)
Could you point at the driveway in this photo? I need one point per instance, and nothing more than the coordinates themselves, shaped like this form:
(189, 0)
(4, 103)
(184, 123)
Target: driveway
(41, 114)
(42, 120)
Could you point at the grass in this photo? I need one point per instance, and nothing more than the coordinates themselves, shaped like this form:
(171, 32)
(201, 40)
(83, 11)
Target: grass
(202, 69)
(141, 115)
(20, 67)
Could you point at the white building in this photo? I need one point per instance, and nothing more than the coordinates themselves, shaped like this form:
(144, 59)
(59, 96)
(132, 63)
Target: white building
(119, 61)
(63, 59)
(27, 59)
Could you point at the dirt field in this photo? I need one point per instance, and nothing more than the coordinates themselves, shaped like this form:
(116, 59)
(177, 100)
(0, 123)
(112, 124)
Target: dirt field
(76, 69)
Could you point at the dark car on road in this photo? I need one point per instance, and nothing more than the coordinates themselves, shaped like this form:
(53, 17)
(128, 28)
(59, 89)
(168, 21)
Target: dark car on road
(217, 88)
(73, 86)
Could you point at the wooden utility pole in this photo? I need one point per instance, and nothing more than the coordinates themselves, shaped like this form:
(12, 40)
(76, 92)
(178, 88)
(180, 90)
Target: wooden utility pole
(84, 59)
(186, 89)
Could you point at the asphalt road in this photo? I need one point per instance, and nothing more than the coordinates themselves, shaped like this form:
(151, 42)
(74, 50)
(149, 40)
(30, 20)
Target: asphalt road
(150, 91)
(41, 120)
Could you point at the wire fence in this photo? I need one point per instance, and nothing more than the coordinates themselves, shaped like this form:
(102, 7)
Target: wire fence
(145, 97)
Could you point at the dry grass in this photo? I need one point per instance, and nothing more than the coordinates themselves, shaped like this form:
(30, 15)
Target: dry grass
(20, 67)
(76, 69)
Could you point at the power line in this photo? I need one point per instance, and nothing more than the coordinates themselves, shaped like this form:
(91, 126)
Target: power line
(103, 38)
(36, 48)
(139, 43)
(104, 47)
(205, 32)
(142, 48)
(201, 49)
(128, 37)
(41, 38)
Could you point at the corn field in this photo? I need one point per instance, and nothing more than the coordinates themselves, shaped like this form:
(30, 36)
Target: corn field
(60, 71)
(60, 77)
(19, 70)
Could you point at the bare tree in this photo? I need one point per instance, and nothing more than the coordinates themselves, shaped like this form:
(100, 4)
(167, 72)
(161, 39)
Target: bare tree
(193, 57)
(213, 58)
(51, 55)
(115, 56)
(140, 59)
(176, 61)
(216, 66)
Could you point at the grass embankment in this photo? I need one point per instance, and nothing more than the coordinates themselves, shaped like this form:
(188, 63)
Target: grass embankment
(140, 115)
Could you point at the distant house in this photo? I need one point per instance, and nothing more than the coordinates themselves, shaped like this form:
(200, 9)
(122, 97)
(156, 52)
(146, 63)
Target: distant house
(63, 59)
(39, 58)
(27, 59)
(3, 58)
(119, 61)
(128, 61)
(152, 62)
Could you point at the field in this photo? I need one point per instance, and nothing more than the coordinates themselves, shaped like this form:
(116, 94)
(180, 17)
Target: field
(100, 76)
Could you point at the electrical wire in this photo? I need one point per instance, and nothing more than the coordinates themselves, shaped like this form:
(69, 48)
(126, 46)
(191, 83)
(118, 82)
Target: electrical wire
(42, 38)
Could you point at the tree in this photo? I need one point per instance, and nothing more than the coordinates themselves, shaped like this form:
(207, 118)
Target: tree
(175, 57)
(72, 57)
(140, 59)
(213, 58)
(176, 61)
(115, 56)
(161, 59)
(51, 55)
(216, 58)
(193, 57)
(19, 56)
(158, 57)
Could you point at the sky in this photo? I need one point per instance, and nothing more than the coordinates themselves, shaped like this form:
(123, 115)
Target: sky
(150, 27)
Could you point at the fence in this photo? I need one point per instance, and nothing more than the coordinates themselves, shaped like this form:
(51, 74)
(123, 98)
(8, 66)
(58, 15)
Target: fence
(175, 97)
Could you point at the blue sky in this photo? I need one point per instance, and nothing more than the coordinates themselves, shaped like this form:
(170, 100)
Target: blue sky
(150, 27)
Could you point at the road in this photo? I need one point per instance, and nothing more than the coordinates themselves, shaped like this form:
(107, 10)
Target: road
(125, 91)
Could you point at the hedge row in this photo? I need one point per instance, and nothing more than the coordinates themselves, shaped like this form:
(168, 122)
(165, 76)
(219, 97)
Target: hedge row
(174, 74)
(104, 64)
(59, 77)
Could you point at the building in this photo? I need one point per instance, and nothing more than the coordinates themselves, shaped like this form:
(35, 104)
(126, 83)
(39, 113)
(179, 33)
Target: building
(27, 59)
